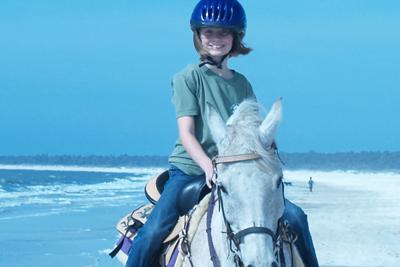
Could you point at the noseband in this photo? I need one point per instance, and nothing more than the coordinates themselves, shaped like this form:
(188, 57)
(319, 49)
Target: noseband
(236, 238)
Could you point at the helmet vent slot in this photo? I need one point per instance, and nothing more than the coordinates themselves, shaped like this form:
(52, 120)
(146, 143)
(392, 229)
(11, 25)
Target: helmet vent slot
(230, 14)
(222, 13)
(210, 13)
(217, 14)
(204, 13)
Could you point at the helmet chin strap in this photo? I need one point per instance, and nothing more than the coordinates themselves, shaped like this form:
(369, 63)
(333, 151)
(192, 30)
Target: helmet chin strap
(210, 61)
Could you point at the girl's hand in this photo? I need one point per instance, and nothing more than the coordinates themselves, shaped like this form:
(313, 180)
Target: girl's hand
(209, 173)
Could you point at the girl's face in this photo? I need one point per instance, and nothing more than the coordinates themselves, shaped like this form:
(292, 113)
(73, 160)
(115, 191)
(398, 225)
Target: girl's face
(216, 41)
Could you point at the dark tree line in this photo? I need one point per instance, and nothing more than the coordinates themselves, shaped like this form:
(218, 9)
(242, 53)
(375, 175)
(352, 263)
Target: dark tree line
(90, 160)
(372, 161)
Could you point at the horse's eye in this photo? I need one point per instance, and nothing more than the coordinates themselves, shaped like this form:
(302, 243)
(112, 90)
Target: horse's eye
(279, 182)
(223, 189)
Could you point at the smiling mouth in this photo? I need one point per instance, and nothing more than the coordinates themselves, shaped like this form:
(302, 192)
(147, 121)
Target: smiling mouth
(215, 46)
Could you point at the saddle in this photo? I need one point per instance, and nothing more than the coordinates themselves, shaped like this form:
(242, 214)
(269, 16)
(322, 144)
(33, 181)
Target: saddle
(128, 226)
(189, 196)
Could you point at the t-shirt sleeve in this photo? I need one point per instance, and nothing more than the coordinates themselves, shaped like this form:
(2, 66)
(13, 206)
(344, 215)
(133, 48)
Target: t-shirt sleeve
(184, 96)
(250, 92)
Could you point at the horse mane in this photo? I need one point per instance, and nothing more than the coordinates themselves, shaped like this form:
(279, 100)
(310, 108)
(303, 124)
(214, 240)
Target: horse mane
(246, 121)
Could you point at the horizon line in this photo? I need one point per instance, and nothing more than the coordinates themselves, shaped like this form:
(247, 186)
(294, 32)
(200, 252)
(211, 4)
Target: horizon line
(159, 155)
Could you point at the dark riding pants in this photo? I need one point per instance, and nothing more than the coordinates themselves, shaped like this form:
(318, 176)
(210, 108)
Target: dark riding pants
(298, 221)
(145, 247)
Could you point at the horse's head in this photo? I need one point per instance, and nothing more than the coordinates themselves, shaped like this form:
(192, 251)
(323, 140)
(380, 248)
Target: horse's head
(251, 190)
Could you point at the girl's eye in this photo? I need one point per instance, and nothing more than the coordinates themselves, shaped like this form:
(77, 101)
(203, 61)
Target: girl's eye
(225, 33)
(207, 33)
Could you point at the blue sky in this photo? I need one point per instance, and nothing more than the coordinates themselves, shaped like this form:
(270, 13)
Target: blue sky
(93, 77)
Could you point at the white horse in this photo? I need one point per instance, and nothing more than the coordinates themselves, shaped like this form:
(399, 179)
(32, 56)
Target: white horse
(246, 229)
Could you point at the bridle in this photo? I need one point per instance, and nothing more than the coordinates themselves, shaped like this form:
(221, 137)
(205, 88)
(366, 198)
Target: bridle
(236, 238)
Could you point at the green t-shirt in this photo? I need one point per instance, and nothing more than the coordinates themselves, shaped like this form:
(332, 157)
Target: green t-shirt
(193, 87)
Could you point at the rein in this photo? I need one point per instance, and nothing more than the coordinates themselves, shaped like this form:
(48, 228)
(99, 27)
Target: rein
(236, 238)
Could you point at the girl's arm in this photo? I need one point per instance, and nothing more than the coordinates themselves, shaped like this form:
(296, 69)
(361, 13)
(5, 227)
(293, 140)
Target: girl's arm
(193, 147)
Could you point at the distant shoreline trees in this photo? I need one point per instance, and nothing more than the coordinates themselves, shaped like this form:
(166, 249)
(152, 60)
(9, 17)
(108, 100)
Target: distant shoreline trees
(369, 161)
(87, 160)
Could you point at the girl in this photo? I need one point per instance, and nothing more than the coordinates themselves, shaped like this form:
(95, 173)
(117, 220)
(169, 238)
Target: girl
(218, 29)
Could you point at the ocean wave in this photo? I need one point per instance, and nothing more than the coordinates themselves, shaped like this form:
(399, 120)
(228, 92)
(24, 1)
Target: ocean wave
(113, 191)
(30, 215)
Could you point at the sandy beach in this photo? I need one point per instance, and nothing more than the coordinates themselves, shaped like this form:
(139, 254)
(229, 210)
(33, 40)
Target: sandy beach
(354, 217)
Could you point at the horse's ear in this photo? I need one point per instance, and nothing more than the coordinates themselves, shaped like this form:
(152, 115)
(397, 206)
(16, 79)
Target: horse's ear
(216, 124)
(270, 124)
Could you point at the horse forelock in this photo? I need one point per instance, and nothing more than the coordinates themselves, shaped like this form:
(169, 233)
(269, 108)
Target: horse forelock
(243, 136)
(246, 113)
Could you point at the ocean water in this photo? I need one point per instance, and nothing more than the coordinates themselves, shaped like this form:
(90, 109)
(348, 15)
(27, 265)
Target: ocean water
(62, 217)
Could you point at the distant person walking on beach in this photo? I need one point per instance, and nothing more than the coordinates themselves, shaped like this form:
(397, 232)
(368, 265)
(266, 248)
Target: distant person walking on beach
(310, 184)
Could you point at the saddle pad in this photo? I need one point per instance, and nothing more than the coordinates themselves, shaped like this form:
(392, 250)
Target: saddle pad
(297, 260)
(155, 186)
(129, 224)
(169, 256)
(198, 212)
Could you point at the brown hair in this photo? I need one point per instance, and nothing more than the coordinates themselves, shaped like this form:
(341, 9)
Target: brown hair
(238, 47)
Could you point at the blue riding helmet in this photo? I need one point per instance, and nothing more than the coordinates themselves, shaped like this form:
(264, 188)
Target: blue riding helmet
(219, 13)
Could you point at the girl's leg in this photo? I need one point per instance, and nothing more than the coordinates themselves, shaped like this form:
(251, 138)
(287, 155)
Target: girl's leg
(145, 247)
(298, 221)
